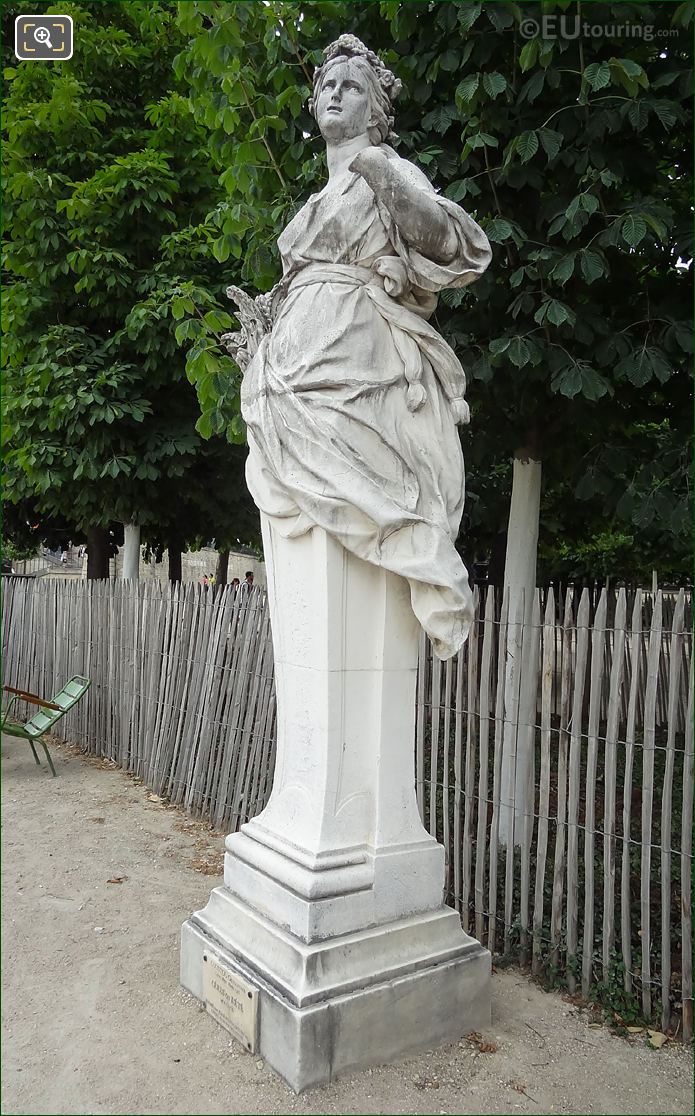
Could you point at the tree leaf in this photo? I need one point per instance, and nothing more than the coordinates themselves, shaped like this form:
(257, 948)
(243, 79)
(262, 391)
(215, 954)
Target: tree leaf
(597, 75)
(638, 114)
(500, 15)
(467, 14)
(551, 140)
(579, 378)
(594, 385)
(494, 84)
(592, 264)
(465, 90)
(557, 224)
(533, 88)
(643, 364)
(567, 381)
(633, 230)
(588, 202)
(529, 54)
(555, 312)
(682, 15)
(563, 269)
(657, 226)
(666, 111)
(440, 118)
(499, 345)
(682, 337)
(519, 352)
(498, 230)
(629, 74)
(527, 145)
(221, 248)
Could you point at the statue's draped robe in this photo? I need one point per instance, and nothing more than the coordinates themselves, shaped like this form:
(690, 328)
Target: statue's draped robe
(351, 401)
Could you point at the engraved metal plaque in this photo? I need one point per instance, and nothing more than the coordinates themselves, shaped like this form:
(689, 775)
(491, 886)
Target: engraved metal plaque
(231, 1001)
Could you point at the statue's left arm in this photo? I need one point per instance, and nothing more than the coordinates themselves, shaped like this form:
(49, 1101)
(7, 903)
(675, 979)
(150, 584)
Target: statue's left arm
(437, 245)
(418, 217)
(443, 246)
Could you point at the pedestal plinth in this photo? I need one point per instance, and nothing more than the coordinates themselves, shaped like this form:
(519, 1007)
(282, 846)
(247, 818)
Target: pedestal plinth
(332, 906)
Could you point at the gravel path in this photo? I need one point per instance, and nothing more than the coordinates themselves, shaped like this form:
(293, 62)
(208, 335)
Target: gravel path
(94, 1020)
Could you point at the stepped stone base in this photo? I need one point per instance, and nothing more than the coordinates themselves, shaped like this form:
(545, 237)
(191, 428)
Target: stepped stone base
(347, 1002)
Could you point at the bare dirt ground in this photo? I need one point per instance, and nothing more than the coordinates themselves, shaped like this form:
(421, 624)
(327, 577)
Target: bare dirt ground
(97, 878)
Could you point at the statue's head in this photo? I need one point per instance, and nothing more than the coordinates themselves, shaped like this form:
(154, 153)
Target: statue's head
(353, 93)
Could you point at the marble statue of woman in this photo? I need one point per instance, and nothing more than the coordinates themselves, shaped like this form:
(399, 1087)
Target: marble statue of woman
(351, 397)
(332, 912)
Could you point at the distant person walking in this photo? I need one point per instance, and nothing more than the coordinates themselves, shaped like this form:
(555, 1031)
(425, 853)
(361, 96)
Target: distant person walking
(247, 584)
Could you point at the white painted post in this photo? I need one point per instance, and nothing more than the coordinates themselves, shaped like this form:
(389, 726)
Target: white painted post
(131, 551)
(519, 578)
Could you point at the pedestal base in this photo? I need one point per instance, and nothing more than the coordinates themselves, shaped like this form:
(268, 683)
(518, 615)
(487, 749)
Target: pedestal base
(348, 1002)
(332, 907)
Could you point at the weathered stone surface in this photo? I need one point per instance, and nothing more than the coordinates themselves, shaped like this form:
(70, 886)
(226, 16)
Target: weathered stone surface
(352, 398)
(365, 998)
(333, 898)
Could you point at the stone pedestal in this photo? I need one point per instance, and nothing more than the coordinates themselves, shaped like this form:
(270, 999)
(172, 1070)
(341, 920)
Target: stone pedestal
(332, 905)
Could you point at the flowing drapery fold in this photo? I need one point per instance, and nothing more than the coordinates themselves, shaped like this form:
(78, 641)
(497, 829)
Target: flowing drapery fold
(351, 402)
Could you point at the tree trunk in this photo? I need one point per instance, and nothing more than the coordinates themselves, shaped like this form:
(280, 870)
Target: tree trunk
(222, 568)
(174, 552)
(98, 553)
(520, 582)
(131, 552)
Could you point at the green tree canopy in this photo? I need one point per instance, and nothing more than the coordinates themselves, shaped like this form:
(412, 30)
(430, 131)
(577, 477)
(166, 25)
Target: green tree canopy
(138, 188)
(105, 171)
(573, 153)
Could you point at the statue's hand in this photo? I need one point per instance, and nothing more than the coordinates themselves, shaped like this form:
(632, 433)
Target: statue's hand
(392, 270)
(373, 165)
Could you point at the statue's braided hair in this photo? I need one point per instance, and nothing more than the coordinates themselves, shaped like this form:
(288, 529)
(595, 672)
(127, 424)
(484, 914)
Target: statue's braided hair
(384, 86)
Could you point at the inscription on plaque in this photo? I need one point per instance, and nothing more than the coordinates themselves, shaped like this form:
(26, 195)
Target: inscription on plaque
(231, 1001)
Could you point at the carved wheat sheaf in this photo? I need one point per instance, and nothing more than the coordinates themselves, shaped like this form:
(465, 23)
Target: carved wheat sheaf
(256, 316)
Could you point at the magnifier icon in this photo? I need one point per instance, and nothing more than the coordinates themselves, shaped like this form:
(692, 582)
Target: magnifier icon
(42, 35)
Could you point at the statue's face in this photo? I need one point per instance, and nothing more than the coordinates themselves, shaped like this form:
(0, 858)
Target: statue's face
(343, 106)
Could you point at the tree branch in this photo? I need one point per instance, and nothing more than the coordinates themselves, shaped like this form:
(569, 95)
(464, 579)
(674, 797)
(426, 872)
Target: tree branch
(264, 138)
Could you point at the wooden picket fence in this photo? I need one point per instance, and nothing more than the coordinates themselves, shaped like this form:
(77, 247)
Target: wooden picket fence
(593, 886)
(596, 885)
(182, 688)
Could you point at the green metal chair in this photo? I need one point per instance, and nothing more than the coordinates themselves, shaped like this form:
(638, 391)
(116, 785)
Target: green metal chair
(50, 711)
